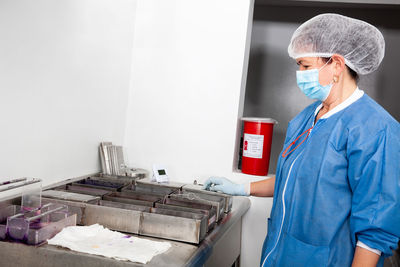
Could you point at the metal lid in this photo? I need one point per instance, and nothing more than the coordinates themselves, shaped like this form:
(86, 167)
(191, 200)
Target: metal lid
(260, 120)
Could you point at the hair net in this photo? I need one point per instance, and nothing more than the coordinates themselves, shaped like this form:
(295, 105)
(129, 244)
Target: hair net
(361, 44)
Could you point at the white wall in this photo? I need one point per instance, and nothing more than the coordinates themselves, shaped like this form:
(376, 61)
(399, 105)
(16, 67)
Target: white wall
(64, 82)
(188, 59)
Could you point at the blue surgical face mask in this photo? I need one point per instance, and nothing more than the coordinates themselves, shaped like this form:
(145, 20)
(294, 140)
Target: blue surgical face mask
(308, 81)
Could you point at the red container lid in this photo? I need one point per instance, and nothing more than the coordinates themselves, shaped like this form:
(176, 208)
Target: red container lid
(259, 120)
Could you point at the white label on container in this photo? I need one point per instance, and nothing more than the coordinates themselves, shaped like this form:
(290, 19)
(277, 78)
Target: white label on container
(253, 146)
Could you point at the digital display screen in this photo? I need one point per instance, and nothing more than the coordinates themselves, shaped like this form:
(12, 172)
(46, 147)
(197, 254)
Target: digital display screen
(161, 172)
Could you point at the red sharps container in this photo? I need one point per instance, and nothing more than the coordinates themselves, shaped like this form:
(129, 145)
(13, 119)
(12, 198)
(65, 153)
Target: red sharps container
(257, 139)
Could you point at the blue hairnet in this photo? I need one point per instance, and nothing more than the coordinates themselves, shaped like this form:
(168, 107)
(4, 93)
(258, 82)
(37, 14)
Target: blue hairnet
(361, 44)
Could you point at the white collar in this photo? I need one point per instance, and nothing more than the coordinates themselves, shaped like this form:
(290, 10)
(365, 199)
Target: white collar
(357, 94)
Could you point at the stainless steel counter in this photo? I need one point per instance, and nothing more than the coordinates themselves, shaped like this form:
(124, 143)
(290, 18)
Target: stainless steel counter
(224, 238)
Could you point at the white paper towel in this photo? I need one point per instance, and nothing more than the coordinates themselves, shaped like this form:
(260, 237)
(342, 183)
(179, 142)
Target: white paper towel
(97, 240)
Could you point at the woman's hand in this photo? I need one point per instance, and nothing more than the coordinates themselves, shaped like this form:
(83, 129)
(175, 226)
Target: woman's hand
(221, 184)
(264, 188)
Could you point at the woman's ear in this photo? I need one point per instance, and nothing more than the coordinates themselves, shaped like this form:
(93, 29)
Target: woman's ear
(338, 65)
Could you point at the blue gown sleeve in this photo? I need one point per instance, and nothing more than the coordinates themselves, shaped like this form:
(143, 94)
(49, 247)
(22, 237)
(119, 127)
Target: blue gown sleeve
(374, 178)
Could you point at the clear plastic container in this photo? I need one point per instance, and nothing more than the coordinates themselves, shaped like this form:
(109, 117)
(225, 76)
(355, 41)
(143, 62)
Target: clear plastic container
(31, 195)
(37, 225)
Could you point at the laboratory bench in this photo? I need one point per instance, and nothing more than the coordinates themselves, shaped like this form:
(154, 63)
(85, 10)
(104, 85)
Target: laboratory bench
(221, 247)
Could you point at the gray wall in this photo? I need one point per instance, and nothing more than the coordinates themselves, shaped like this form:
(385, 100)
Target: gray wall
(271, 89)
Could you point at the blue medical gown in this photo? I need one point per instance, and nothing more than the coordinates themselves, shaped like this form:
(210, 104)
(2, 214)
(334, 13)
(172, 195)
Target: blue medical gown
(340, 186)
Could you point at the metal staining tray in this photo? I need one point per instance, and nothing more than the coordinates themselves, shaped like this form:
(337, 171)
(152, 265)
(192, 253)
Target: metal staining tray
(83, 190)
(176, 225)
(192, 198)
(116, 178)
(135, 198)
(86, 190)
(152, 188)
(209, 195)
(209, 214)
(110, 185)
(223, 202)
(124, 180)
(62, 195)
(124, 206)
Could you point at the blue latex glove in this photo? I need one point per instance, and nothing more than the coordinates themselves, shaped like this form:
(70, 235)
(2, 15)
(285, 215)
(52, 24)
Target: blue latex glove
(223, 185)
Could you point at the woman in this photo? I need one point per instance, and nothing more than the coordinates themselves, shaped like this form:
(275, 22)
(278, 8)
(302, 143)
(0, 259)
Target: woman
(336, 191)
